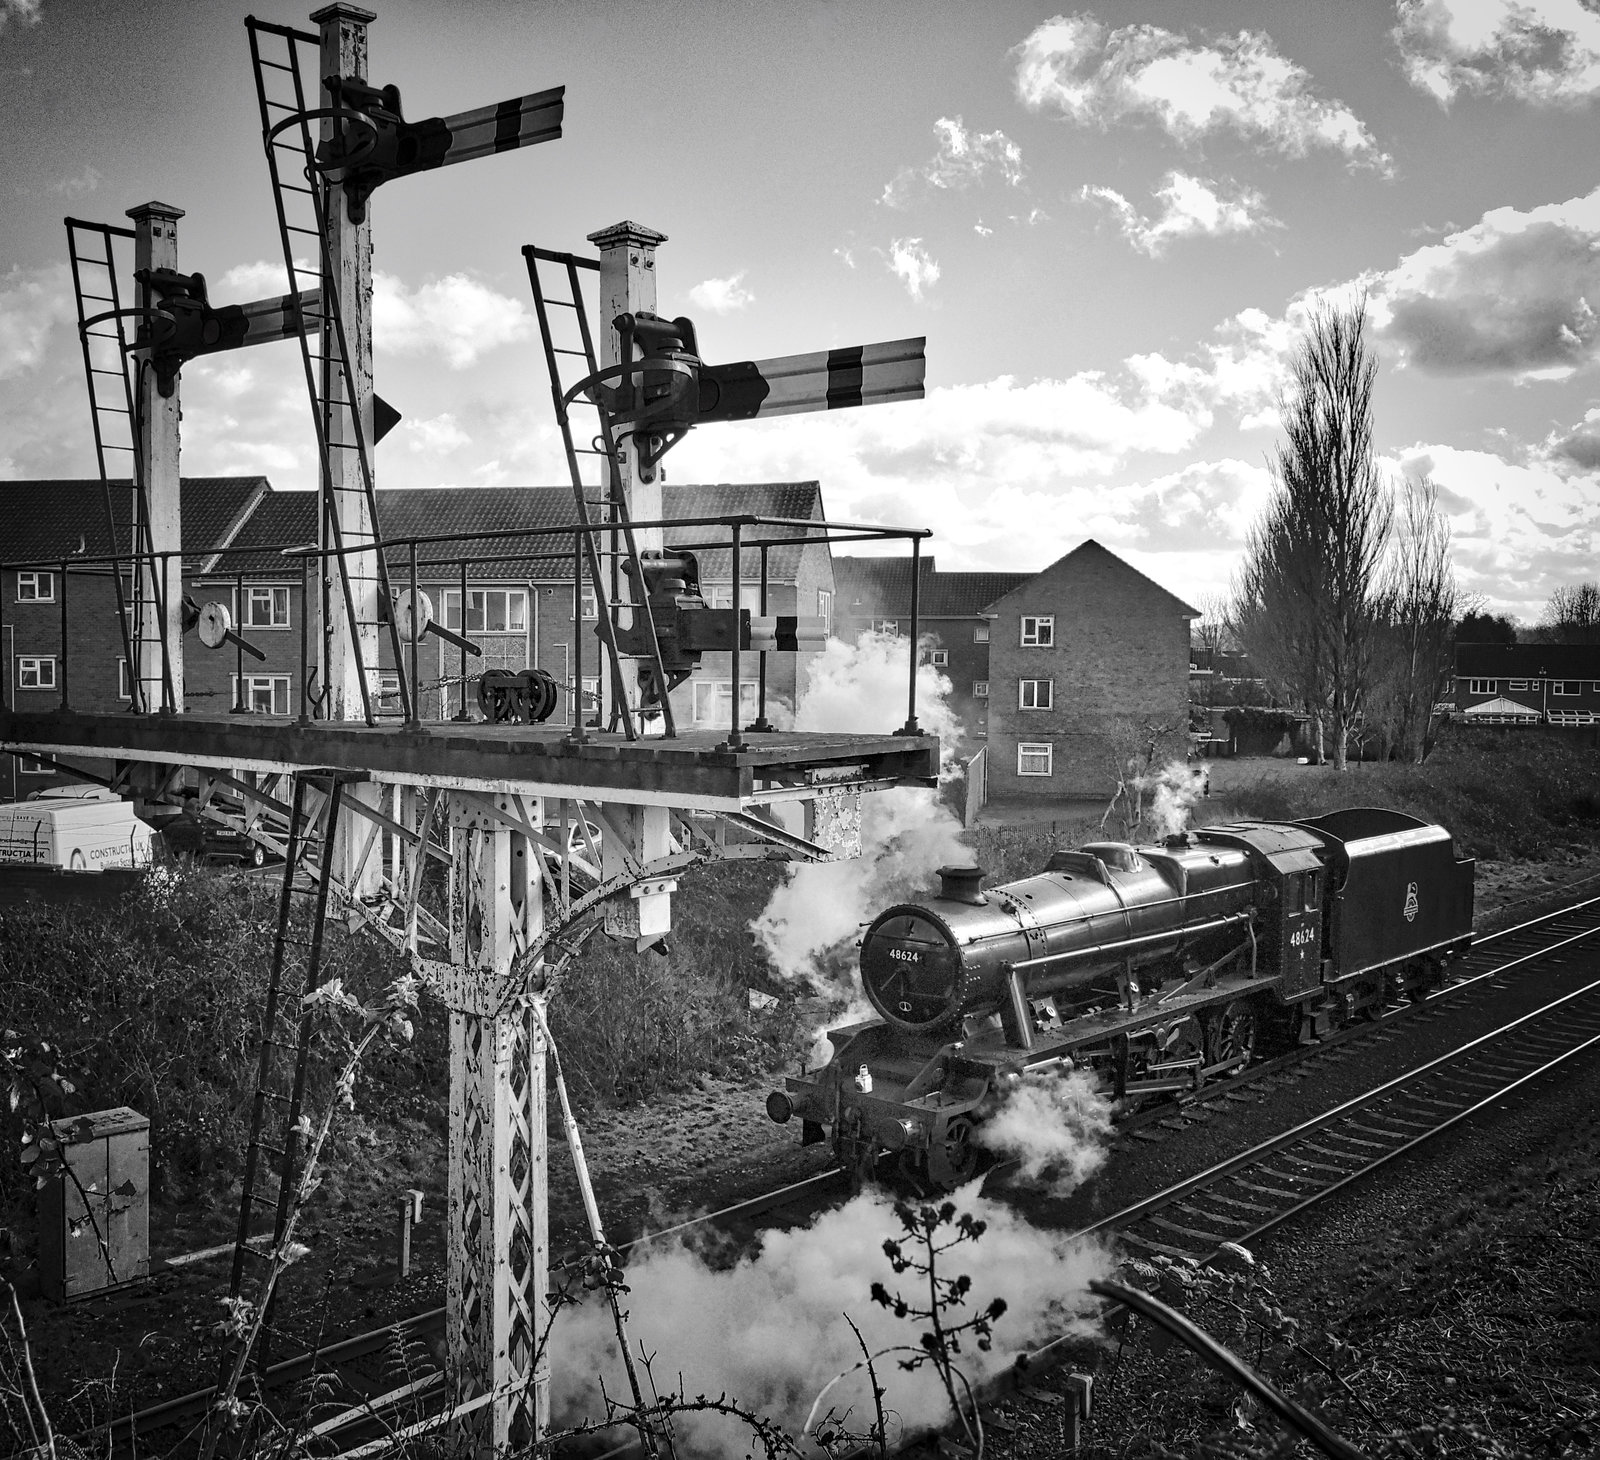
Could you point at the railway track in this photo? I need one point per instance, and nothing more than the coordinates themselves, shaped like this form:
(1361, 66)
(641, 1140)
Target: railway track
(1234, 1201)
(1238, 1199)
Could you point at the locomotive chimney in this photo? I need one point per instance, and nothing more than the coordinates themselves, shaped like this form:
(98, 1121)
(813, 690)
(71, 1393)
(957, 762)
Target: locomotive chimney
(960, 884)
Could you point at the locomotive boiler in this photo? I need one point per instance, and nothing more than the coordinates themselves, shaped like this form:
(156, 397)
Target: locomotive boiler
(1156, 967)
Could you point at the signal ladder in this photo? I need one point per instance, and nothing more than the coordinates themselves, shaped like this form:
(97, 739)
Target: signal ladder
(603, 445)
(301, 196)
(276, 1142)
(103, 334)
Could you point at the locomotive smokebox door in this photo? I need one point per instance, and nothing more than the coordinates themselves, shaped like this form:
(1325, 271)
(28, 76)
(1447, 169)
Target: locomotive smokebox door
(107, 1155)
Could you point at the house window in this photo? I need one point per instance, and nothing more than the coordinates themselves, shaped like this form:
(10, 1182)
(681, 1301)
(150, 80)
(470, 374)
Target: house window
(980, 689)
(1566, 686)
(34, 765)
(980, 633)
(490, 610)
(720, 595)
(36, 587)
(387, 699)
(886, 626)
(939, 657)
(589, 602)
(1036, 694)
(263, 608)
(1034, 759)
(713, 701)
(1038, 633)
(124, 681)
(36, 673)
(1482, 686)
(1516, 684)
(825, 609)
(262, 694)
(589, 694)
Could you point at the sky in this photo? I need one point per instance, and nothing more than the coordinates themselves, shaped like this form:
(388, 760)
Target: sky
(1111, 224)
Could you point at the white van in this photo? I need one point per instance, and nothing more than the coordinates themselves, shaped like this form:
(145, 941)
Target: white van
(82, 828)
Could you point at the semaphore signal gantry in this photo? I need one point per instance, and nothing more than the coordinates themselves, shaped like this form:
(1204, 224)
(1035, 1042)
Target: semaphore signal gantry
(545, 833)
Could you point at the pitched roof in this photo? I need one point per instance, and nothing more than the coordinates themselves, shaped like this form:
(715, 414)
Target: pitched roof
(1528, 661)
(966, 595)
(1090, 549)
(57, 519)
(287, 518)
(870, 587)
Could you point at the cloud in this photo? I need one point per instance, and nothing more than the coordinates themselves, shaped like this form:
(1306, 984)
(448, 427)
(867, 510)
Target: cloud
(75, 187)
(1546, 52)
(981, 230)
(1074, 66)
(1514, 294)
(722, 296)
(963, 158)
(24, 12)
(846, 256)
(440, 433)
(1581, 445)
(33, 304)
(913, 265)
(1192, 206)
(455, 319)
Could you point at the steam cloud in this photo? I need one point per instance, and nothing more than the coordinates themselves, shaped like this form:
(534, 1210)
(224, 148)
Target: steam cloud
(1173, 790)
(771, 1331)
(906, 833)
(1056, 1125)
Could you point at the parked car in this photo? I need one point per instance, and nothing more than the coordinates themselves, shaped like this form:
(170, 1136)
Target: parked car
(203, 839)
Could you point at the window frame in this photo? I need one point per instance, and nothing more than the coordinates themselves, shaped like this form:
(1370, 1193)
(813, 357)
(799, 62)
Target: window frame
(34, 663)
(939, 658)
(1478, 686)
(1043, 631)
(274, 593)
(1035, 748)
(1566, 688)
(981, 633)
(124, 678)
(980, 689)
(825, 609)
(253, 682)
(1049, 702)
(40, 577)
(452, 596)
(1515, 686)
(710, 693)
(890, 626)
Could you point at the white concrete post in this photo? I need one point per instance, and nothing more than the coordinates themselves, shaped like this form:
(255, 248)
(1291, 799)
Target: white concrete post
(344, 53)
(627, 286)
(499, 1241)
(155, 246)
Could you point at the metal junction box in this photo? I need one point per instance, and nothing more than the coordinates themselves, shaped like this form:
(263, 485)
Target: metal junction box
(108, 1152)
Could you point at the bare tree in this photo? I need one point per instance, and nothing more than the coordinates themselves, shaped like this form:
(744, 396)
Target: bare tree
(1306, 602)
(1420, 604)
(1572, 616)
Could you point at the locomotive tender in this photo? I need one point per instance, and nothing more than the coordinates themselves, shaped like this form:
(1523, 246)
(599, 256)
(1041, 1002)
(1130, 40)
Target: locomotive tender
(1154, 966)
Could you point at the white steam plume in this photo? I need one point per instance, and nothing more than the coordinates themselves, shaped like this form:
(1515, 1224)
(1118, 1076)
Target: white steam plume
(770, 1332)
(906, 833)
(1173, 791)
(1055, 1125)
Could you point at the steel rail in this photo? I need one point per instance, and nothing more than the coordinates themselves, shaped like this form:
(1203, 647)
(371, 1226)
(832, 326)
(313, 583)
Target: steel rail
(1256, 1154)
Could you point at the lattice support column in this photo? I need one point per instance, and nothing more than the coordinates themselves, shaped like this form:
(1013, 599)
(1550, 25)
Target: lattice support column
(497, 1315)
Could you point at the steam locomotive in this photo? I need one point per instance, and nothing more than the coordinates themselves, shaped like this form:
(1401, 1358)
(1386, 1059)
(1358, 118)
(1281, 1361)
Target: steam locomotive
(1156, 967)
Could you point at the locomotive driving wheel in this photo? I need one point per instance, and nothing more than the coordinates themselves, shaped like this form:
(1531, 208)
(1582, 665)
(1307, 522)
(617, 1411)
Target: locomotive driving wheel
(1231, 1033)
(953, 1158)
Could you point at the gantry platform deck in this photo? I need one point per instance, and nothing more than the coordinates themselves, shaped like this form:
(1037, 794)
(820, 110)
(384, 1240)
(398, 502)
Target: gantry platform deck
(695, 768)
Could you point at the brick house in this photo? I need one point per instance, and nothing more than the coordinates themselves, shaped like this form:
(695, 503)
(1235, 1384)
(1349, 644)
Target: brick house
(1081, 657)
(875, 593)
(1532, 684)
(519, 608)
(58, 521)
